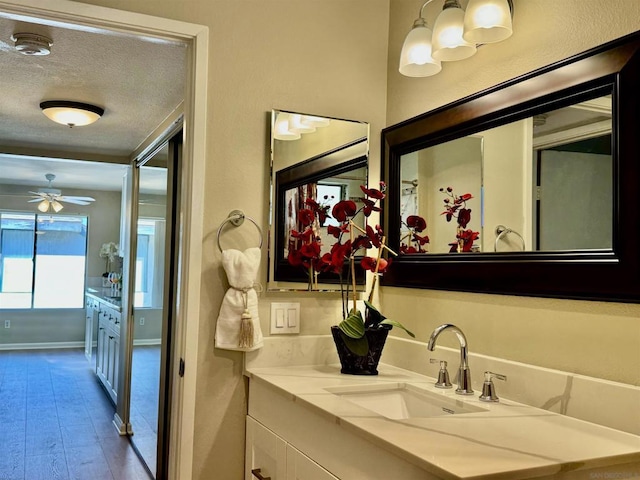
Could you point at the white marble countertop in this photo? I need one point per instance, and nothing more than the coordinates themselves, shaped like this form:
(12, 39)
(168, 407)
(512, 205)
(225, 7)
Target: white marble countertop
(507, 441)
(106, 295)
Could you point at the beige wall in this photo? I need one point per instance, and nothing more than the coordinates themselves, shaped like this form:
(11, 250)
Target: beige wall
(591, 338)
(329, 57)
(323, 57)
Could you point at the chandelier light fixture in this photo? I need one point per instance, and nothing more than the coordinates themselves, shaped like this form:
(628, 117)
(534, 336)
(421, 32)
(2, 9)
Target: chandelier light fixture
(456, 34)
(72, 114)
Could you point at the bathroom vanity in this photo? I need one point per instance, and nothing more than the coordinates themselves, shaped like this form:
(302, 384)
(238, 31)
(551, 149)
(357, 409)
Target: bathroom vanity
(312, 419)
(103, 311)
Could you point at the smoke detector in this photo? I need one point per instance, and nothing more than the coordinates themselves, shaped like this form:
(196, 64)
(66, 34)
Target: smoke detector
(32, 44)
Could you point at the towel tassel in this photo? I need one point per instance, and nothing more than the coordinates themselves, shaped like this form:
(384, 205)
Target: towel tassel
(245, 339)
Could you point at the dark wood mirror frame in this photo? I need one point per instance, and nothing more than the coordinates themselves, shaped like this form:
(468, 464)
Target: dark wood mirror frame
(309, 171)
(609, 275)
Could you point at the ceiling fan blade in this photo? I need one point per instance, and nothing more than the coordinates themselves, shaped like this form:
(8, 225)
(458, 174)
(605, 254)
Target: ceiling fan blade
(35, 200)
(66, 198)
(40, 194)
(74, 201)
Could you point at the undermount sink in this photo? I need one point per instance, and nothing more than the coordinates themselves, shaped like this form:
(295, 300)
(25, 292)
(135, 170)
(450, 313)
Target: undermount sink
(399, 401)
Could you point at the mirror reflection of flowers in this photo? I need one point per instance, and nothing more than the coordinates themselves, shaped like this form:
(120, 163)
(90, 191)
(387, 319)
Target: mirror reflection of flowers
(455, 206)
(414, 243)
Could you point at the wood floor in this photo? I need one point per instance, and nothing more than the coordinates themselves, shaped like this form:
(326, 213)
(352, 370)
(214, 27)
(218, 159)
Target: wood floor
(55, 421)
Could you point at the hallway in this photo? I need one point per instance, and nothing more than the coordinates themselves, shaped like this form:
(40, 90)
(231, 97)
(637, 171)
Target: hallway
(55, 421)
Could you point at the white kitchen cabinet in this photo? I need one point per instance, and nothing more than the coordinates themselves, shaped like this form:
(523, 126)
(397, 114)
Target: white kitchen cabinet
(91, 324)
(269, 457)
(108, 348)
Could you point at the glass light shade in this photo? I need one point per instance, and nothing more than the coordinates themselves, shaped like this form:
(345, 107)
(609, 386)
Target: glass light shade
(281, 128)
(297, 126)
(313, 121)
(43, 206)
(73, 114)
(448, 44)
(57, 206)
(487, 21)
(415, 58)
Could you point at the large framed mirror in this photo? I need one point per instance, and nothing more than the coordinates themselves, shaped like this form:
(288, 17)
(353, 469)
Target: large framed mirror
(527, 188)
(313, 159)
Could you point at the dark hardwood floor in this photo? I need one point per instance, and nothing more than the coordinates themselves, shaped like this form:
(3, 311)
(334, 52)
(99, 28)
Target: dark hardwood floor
(56, 421)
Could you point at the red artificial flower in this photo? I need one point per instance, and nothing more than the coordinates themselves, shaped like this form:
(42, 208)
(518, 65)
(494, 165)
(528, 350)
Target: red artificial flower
(369, 206)
(310, 250)
(416, 222)
(306, 216)
(407, 249)
(304, 236)
(421, 240)
(373, 192)
(344, 209)
(369, 263)
(464, 217)
(336, 231)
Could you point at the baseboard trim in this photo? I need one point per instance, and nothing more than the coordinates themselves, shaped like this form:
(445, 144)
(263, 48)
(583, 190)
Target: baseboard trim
(40, 346)
(119, 424)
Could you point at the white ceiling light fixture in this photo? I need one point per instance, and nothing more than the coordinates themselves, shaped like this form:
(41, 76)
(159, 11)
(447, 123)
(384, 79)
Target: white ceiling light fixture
(72, 114)
(32, 44)
(456, 34)
(448, 44)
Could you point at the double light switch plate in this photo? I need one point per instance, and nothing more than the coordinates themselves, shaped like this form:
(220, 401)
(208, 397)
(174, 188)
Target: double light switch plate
(285, 318)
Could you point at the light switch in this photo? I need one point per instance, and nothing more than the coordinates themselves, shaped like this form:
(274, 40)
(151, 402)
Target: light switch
(292, 317)
(285, 318)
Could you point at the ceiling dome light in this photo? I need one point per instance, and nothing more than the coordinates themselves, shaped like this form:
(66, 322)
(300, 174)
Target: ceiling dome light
(487, 21)
(73, 114)
(415, 58)
(448, 44)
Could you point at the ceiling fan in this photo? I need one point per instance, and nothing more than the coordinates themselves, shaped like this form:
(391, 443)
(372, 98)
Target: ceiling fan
(51, 198)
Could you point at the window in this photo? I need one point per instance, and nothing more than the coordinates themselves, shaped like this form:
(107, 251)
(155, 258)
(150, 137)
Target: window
(149, 263)
(42, 260)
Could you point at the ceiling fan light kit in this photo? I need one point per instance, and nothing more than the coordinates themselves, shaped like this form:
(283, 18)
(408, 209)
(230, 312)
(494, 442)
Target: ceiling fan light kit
(50, 198)
(72, 114)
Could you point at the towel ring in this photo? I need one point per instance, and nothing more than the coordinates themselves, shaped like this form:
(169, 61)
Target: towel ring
(237, 218)
(501, 231)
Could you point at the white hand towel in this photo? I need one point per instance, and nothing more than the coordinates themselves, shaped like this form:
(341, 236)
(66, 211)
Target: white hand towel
(240, 303)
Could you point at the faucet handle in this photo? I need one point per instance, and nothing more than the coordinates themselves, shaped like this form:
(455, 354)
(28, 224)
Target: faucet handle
(489, 389)
(443, 374)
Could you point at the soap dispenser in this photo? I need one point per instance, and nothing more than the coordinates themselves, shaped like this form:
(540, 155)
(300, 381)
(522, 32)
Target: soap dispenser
(489, 389)
(443, 374)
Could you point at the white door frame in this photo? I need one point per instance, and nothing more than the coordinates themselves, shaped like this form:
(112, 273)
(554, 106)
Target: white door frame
(88, 17)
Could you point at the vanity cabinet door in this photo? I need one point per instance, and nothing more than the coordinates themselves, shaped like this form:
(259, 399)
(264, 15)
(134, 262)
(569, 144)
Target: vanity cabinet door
(301, 467)
(113, 358)
(265, 454)
(88, 331)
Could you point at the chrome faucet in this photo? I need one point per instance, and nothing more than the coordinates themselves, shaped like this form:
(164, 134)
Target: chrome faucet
(464, 374)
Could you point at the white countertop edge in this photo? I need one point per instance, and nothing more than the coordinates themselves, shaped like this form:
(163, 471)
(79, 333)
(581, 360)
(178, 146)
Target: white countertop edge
(363, 422)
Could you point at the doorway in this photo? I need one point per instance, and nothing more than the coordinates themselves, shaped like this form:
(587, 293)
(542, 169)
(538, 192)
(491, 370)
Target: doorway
(194, 37)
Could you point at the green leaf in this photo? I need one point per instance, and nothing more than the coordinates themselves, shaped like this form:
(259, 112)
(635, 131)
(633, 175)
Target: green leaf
(353, 325)
(393, 323)
(359, 346)
(374, 317)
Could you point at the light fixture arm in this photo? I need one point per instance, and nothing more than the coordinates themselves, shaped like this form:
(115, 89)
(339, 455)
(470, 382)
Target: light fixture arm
(421, 15)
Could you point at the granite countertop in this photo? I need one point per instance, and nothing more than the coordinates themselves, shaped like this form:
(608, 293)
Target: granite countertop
(505, 440)
(106, 295)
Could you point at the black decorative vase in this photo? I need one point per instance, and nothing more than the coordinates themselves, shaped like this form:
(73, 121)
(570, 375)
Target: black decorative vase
(360, 365)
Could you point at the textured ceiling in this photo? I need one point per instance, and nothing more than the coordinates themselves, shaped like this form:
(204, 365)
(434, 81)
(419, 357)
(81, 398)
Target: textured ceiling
(138, 82)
